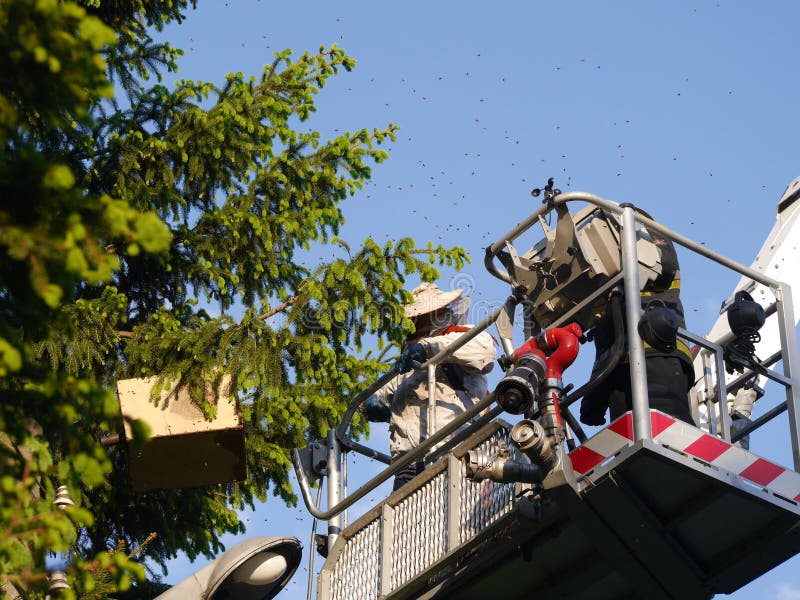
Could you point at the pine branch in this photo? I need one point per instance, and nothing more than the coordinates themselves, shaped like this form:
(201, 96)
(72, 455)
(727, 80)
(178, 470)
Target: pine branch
(277, 309)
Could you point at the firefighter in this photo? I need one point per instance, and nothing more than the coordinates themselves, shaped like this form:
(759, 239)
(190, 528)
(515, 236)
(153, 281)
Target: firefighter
(668, 361)
(460, 380)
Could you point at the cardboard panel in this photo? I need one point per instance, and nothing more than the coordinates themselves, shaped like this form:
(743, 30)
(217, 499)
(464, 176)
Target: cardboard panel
(186, 449)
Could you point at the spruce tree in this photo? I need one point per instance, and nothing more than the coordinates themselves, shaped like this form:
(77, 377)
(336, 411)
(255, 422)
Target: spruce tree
(163, 230)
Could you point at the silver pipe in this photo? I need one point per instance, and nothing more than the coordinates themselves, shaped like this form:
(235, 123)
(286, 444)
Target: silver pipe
(334, 487)
(405, 460)
(633, 312)
(344, 486)
(777, 377)
(615, 208)
(386, 564)
(707, 349)
(521, 228)
(491, 251)
(464, 338)
(791, 364)
(454, 484)
(311, 548)
(699, 340)
(674, 236)
(341, 431)
(431, 400)
(738, 381)
(755, 424)
(722, 396)
(708, 380)
(710, 254)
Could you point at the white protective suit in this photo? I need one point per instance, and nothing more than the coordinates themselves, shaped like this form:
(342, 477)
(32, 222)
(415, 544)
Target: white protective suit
(407, 394)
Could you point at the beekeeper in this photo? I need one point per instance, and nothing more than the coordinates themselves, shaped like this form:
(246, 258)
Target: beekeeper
(439, 319)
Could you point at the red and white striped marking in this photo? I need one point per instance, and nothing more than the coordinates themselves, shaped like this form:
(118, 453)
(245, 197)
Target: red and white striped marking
(690, 440)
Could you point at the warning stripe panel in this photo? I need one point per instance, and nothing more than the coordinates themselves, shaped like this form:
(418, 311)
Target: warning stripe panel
(787, 484)
(607, 443)
(623, 426)
(762, 472)
(659, 422)
(678, 435)
(707, 448)
(735, 460)
(694, 442)
(585, 459)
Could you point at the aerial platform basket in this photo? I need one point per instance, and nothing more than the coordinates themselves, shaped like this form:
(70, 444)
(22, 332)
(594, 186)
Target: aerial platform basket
(649, 507)
(683, 515)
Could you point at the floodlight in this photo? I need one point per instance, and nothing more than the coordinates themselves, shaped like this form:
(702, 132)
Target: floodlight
(255, 569)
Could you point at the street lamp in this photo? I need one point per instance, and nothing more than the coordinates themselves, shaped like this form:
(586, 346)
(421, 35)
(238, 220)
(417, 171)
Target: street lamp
(255, 569)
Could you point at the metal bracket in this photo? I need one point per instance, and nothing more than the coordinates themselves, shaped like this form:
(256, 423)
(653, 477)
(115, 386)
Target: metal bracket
(314, 460)
(562, 474)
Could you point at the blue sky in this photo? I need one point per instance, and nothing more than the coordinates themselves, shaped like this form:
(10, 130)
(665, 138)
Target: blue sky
(687, 109)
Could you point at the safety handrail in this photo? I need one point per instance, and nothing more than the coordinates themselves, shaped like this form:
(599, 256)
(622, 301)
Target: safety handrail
(392, 469)
(609, 205)
(739, 381)
(630, 285)
(438, 516)
(790, 352)
(345, 440)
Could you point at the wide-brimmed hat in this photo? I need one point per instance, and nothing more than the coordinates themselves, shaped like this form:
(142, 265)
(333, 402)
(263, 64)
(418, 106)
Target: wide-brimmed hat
(428, 298)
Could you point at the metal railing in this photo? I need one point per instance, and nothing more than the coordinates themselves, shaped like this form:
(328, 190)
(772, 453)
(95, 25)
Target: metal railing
(364, 564)
(429, 521)
(342, 438)
(783, 306)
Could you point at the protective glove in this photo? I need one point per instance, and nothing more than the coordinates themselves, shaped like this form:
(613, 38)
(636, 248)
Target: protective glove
(411, 358)
(377, 409)
(593, 409)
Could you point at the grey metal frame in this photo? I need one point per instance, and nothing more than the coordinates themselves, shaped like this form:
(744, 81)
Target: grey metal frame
(783, 305)
(641, 420)
(459, 530)
(786, 324)
(405, 460)
(720, 391)
(633, 314)
(334, 486)
(336, 505)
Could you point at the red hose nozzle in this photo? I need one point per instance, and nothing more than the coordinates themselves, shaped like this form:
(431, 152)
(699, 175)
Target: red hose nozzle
(561, 344)
(564, 343)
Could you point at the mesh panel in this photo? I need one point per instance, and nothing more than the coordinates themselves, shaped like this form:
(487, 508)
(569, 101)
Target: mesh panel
(420, 526)
(356, 575)
(420, 530)
(482, 503)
